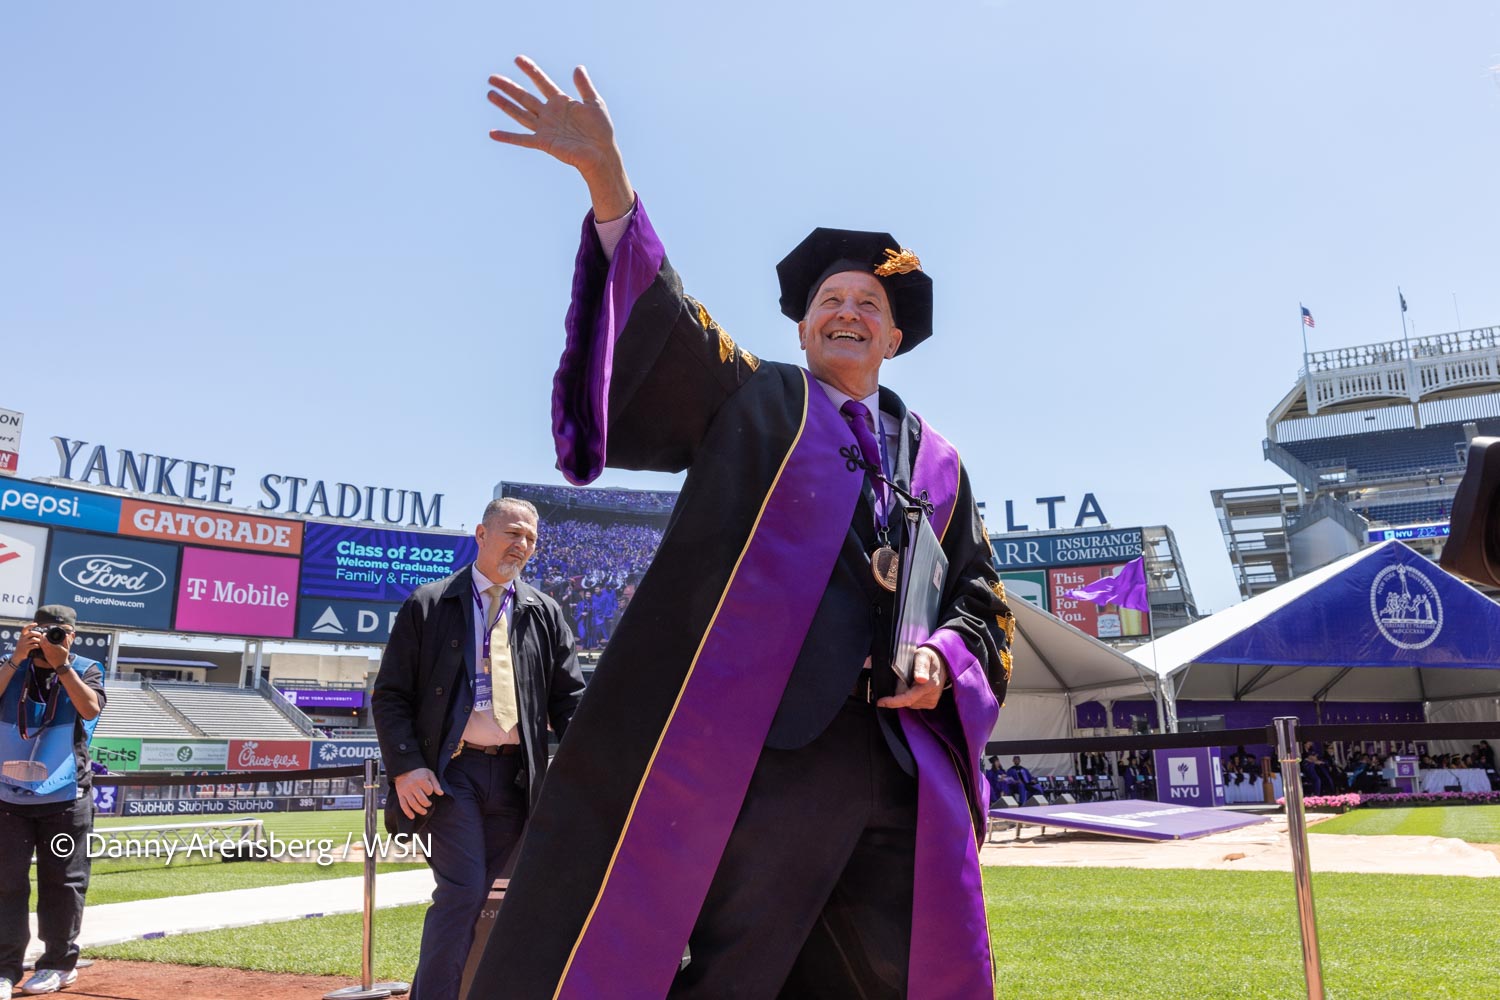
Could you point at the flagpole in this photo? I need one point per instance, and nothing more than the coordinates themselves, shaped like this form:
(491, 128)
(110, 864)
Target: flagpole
(1302, 322)
(1161, 712)
(1412, 393)
(1404, 339)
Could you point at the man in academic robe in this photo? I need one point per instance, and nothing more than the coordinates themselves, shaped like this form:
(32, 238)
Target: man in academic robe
(747, 776)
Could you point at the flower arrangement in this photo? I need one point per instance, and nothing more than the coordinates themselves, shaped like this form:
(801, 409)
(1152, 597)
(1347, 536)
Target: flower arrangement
(1353, 800)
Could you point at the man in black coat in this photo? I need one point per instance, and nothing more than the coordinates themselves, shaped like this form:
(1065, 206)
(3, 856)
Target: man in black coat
(477, 666)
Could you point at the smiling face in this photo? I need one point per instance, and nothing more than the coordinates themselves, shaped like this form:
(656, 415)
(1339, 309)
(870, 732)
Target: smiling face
(848, 331)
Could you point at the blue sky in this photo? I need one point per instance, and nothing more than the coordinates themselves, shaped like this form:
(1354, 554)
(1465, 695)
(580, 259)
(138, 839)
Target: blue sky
(276, 236)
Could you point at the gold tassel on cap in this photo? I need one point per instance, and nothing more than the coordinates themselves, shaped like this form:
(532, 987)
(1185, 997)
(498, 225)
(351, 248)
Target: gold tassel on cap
(901, 261)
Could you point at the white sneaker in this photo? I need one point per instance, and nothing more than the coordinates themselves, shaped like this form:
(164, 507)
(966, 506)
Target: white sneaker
(5, 988)
(48, 981)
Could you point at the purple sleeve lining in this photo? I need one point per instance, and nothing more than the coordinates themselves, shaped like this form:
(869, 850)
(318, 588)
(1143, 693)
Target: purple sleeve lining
(603, 294)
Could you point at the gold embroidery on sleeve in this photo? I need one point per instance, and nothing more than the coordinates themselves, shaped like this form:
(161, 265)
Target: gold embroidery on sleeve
(1006, 619)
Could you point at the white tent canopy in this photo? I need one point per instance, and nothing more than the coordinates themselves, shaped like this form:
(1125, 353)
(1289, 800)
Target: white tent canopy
(1056, 667)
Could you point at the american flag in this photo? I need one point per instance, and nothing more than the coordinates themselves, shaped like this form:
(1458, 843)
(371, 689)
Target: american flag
(1307, 319)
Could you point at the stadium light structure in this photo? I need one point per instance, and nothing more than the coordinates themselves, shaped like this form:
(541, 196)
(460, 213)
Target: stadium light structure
(1473, 548)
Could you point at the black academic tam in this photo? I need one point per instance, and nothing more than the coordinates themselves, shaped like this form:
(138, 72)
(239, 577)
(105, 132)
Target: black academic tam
(827, 252)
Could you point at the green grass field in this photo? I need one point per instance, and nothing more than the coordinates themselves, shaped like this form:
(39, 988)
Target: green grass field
(1075, 934)
(1476, 824)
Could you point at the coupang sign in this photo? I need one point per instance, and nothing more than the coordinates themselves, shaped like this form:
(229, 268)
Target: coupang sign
(159, 475)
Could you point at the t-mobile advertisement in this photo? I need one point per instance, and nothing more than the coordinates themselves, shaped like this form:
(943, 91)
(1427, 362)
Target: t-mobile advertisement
(236, 593)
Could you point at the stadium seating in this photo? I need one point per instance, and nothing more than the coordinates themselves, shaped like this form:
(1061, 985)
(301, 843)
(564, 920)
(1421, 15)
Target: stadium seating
(220, 710)
(130, 711)
(1389, 454)
(1404, 513)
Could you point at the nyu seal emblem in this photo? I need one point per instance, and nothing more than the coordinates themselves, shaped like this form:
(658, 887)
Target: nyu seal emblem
(1406, 607)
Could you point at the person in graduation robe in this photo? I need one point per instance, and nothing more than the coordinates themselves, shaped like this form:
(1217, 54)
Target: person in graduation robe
(1022, 776)
(746, 776)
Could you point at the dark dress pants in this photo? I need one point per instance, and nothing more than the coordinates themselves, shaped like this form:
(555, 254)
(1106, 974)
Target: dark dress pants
(813, 896)
(474, 829)
(61, 882)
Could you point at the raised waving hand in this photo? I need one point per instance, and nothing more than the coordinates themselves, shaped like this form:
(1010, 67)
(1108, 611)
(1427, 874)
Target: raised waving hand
(577, 132)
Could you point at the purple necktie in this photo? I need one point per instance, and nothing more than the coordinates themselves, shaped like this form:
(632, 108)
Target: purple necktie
(858, 416)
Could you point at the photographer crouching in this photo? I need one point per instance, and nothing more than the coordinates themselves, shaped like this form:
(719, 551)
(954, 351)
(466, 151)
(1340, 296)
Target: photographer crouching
(50, 699)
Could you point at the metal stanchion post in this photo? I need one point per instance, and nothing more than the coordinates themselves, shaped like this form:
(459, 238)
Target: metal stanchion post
(1291, 786)
(367, 988)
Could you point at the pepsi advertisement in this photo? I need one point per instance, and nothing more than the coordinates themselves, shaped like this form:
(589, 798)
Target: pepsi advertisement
(26, 501)
(113, 581)
(371, 564)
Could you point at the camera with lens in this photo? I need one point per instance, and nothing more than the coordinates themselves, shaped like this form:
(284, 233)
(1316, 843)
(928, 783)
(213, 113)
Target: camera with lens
(55, 634)
(1473, 547)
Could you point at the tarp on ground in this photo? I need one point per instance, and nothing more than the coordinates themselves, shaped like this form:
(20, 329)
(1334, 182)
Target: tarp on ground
(1383, 624)
(1054, 668)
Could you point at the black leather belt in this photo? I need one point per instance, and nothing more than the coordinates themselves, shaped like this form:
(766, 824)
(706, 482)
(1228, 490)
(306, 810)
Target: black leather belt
(503, 750)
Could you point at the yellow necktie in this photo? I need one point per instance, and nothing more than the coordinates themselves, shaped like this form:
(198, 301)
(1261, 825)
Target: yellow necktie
(502, 674)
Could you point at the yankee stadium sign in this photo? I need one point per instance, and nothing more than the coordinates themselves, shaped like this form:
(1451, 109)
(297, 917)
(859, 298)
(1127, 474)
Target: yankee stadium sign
(158, 475)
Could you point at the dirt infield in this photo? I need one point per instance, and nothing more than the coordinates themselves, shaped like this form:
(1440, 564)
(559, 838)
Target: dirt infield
(109, 980)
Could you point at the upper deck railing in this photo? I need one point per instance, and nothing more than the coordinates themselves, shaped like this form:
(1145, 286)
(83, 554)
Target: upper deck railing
(1412, 369)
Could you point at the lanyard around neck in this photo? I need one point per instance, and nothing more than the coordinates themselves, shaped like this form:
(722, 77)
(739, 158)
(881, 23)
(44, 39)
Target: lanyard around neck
(479, 609)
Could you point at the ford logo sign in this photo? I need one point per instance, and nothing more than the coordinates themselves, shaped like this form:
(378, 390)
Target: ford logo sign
(112, 575)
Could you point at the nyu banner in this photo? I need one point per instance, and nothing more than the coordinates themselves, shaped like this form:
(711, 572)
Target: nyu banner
(1190, 777)
(316, 698)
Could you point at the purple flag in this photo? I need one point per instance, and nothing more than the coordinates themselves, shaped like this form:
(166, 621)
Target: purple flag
(1128, 589)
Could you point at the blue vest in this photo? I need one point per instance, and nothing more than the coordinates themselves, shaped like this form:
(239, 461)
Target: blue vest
(49, 742)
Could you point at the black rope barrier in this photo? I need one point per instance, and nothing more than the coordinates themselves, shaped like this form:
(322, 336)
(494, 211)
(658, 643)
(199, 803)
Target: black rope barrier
(226, 777)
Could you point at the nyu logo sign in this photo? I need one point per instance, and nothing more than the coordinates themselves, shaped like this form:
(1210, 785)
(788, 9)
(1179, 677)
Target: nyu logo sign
(1189, 777)
(1406, 607)
(1182, 770)
(112, 575)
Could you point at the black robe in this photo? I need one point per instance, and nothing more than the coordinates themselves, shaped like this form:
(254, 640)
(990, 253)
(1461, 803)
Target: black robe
(748, 629)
